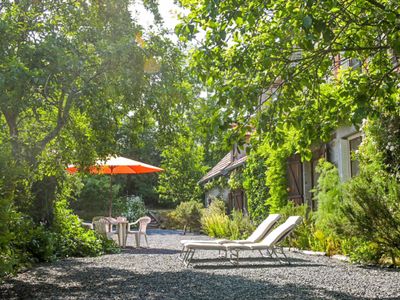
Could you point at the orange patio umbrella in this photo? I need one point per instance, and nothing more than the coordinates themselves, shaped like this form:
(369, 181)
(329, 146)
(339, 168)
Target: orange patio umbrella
(117, 165)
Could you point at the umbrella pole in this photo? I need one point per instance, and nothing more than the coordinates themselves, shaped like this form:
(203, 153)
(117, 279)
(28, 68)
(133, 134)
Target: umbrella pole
(111, 198)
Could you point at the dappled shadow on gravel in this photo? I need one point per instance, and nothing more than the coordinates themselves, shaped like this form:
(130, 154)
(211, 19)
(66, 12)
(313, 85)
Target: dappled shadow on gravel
(250, 263)
(133, 250)
(111, 283)
(156, 273)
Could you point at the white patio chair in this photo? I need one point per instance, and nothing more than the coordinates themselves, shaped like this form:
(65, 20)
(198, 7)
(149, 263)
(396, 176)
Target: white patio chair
(104, 227)
(143, 222)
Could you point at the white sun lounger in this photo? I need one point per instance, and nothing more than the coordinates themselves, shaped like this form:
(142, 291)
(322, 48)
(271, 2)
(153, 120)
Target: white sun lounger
(255, 237)
(269, 243)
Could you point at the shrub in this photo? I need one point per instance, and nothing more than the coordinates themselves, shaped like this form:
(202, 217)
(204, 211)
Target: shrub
(216, 223)
(307, 235)
(7, 255)
(73, 239)
(303, 234)
(372, 208)
(167, 218)
(132, 208)
(42, 244)
(188, 215)
(372, 202)
(328, 219)
(217, 206)
(328, 194)
(240, 226)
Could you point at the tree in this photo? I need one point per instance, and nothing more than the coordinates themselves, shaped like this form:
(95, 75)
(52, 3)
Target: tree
(70, 72)
(288, 50)
(183, 164)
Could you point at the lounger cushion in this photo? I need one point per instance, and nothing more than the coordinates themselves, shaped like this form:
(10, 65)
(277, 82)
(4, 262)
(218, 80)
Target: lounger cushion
(263, 228)
(205, 246)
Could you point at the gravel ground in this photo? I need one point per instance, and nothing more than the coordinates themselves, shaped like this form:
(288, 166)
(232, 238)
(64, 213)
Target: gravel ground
(156, 273)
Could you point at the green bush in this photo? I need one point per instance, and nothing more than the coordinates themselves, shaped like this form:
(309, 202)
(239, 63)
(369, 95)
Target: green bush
(240, 226)
(217, 206)
(373, 210)
(188, 215)
(302, 237)
(42, 244)
(372, 202)
(7, 254)
(329, 220)
(132, 208)
(75, 240)
(307, 235)
(328, 194)
(166, 218)
(216, 223)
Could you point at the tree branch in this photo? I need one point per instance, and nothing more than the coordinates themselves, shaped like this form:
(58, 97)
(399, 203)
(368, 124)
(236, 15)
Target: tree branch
(63, 115)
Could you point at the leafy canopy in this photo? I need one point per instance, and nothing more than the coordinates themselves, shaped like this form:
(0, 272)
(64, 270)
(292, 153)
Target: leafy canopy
(287, 51)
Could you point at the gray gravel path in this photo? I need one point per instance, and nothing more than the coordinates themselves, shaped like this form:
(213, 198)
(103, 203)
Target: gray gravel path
(156, 273)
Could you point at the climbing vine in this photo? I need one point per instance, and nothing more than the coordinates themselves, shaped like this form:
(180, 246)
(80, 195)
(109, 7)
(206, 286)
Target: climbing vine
(220, 182)
(236, 178)
(265, 174)
(254, 183)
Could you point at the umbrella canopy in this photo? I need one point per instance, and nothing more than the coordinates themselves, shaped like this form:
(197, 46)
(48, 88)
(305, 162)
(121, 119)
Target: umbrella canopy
(117, 165)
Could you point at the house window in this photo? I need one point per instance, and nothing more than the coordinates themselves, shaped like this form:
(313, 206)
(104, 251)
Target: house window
(354, 143)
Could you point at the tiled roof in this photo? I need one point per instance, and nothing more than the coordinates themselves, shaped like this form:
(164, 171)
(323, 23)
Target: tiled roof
(223, 167)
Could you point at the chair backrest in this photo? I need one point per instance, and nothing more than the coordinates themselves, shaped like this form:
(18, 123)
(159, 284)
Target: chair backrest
(263, 228)
(121, 219)
(143, 221)
(282, 231)
(101, 226)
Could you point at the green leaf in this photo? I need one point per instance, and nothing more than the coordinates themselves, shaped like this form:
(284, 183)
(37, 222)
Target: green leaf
(239, 21)
(307, 22)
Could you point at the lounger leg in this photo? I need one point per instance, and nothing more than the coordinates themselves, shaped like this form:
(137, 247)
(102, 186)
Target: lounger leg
(181, 255)
(186, 255)
(147, 243)
(189, 257)
(269, 252)
(234, 255)
(284, 255)
(262, 255)
(277, 256)
(222, 256)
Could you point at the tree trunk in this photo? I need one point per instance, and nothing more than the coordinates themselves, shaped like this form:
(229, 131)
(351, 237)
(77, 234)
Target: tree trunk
(44, 194)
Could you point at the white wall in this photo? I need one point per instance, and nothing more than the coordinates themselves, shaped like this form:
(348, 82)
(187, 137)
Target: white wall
(217, 192)
(339, 150)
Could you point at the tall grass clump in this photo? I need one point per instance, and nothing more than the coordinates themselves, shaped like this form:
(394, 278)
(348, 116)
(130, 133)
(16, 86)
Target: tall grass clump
(216, 223)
